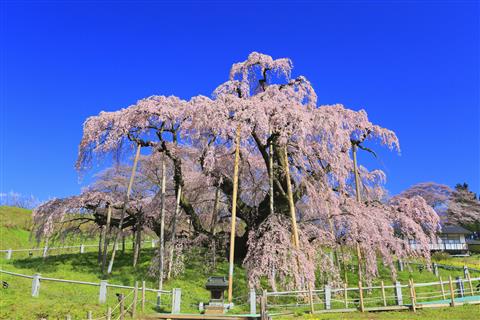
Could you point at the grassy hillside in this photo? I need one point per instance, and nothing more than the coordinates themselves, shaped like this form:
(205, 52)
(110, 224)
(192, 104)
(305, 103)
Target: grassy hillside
(56, 300)
(15, 226)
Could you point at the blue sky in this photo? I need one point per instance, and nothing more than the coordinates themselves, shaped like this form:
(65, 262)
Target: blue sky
(414, 67)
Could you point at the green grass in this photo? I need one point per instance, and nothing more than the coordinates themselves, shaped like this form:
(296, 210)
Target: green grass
(56, 300)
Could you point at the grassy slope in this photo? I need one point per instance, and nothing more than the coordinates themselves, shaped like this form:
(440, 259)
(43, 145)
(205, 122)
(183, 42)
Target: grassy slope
(15, 224)
(58, 299)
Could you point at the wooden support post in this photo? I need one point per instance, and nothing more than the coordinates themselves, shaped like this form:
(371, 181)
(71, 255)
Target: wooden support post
(470, 284)
(360, 292)
(109, 313)
(162, 235)
(89, 315)
(383, 295)
(310, 300)
(124, 209)
(263, 305)
(452, 292)
(135, 298)
(345, 294)
(121, 297)
(234, 214)
(412, 294)
(143, 296)
(443, 289)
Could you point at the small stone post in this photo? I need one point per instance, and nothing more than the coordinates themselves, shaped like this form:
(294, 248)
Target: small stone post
(460, 287)
(253, 301)
(82, 248)
(45, 249)
(36, 285)
(398, 293)
(176, 299)
(102, 296)
(328, 297)
(9, 254)
(465, 272)
(89, 315)
(153, 243)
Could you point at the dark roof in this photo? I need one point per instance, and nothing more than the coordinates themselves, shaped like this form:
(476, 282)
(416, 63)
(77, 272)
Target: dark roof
(451, 228)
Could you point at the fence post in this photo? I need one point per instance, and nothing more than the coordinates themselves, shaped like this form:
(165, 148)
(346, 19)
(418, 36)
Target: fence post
(411, 286)
(443, 290)
(400, 265)
(328, 297)
(176, 298)
(36, 285)
(460, 287)
(470, 284)
(452, 293)
(109, 313)
(435, 269)
(345, 295)
(121, 299)
(465, 272)
(89, 315)
(253, 301)
(143, 296)
(383, 294)
(310, 299)
(360, 291)
(82, 248)
(9, 254)
(68, 317)
(398, 293)
(102, 296)
(135, 298)
(263, 305)
(45, 249)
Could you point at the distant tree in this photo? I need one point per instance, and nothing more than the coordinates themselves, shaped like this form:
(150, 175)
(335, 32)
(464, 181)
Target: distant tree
(464, 208)
(435, 194)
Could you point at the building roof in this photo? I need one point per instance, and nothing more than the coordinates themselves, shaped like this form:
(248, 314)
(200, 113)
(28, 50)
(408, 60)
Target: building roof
(451, 228)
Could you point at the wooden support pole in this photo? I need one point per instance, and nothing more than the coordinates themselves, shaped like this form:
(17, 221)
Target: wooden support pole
(452, 292)
(270, 170)
(310, 298)
(345, 295)
(143, 296)
(412, 294)
(442, 288)
(106, 238)
(174, 230)
(122, 306)
(124, 209)
(291, 203)
(263, 305)
(213, 227)
(383, 294)
(162, 234)
(360, 292)
(109, 313)
(470, 284)
(135, 299)
(234, 213)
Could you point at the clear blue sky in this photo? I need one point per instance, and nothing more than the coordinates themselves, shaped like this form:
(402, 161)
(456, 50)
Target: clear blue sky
(414, 67)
